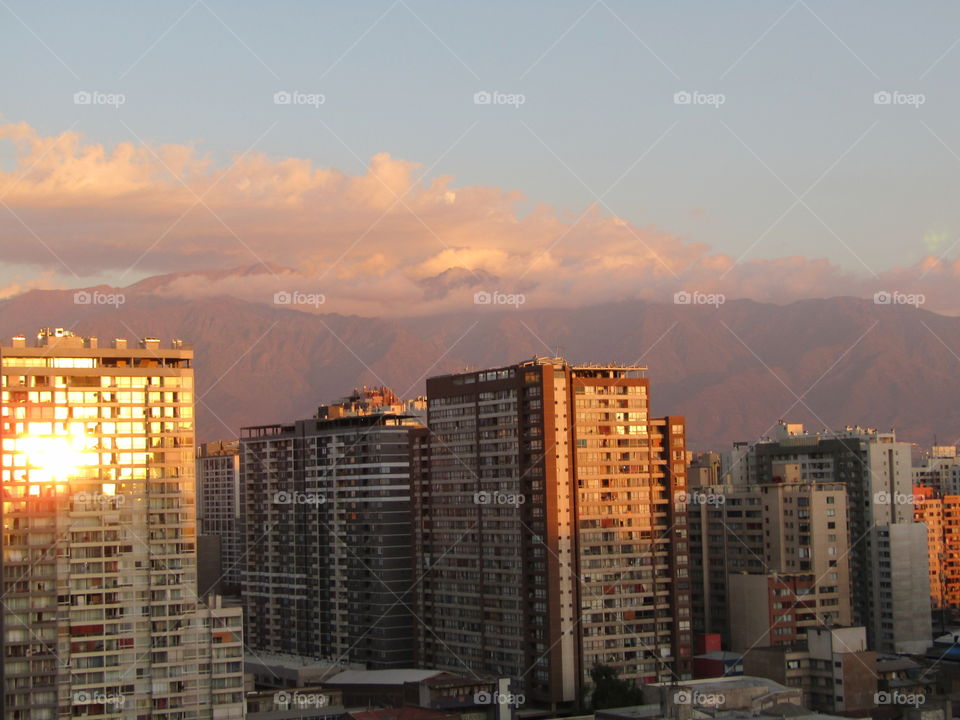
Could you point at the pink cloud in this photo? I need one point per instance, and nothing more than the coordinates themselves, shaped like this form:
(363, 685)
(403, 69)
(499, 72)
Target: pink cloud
(378, 243)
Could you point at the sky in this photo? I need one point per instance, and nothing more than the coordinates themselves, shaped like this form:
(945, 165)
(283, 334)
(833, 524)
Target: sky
(569, 151)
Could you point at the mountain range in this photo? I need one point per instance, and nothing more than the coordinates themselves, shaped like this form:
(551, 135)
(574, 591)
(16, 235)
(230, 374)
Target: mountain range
(733, 370)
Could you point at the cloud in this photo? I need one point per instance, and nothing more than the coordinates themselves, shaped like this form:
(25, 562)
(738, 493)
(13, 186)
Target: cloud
(382, 242)
(44, 281)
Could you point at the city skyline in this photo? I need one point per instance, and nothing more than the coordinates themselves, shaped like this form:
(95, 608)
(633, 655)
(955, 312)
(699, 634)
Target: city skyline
(436, 360)
(521, 448)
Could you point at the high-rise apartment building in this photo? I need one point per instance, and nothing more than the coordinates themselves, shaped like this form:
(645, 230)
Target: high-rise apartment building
(941, 515)
(889, 578)
(218, 507)
(769, 561)
(327, 538)
(939, 468)
(547, 535)
(100, 616)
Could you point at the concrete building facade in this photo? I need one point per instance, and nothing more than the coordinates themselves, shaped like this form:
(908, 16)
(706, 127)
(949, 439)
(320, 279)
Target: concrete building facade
(100, 614)
(218, 507)
(941, 515)
(876, 470)
(547, 533)
(769, 561)
(832, 667)
(327, 539)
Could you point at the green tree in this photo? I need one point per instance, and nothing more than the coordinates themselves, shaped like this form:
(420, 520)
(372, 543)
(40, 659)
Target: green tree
(609, 691)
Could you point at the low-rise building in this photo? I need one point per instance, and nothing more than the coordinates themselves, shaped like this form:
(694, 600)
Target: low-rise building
(746, 692)
(833, 668)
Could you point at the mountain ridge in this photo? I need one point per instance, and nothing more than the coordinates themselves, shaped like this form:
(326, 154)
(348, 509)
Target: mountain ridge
(733, 371)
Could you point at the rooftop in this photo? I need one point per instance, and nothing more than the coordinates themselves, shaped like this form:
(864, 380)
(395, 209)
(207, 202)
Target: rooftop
(290, 661)
(795, 434)
(64, 339)
(631, 712)
(408, 712)
(894, 664)
(311, 424)
(724, 655)
(383, 677)
(587, 369)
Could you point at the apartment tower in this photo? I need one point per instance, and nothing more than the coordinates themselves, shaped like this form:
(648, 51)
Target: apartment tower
(546, 533)
(327, 538)
(769, 561)
(889, 569)
(218, 508)
(100, 615)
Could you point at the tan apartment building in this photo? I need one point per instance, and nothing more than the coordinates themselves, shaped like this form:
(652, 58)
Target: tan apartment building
(941, 514)
(769, 560)
(831, 665)
(888, 550)
(100, 615)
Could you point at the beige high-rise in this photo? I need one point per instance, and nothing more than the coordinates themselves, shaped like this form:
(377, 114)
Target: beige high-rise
(99, 608)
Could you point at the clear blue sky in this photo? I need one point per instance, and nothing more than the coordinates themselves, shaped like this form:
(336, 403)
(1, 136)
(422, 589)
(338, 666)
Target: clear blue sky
(599, 79)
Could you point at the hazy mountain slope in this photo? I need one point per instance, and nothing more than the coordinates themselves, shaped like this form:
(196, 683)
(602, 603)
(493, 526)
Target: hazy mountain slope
(733, 371)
